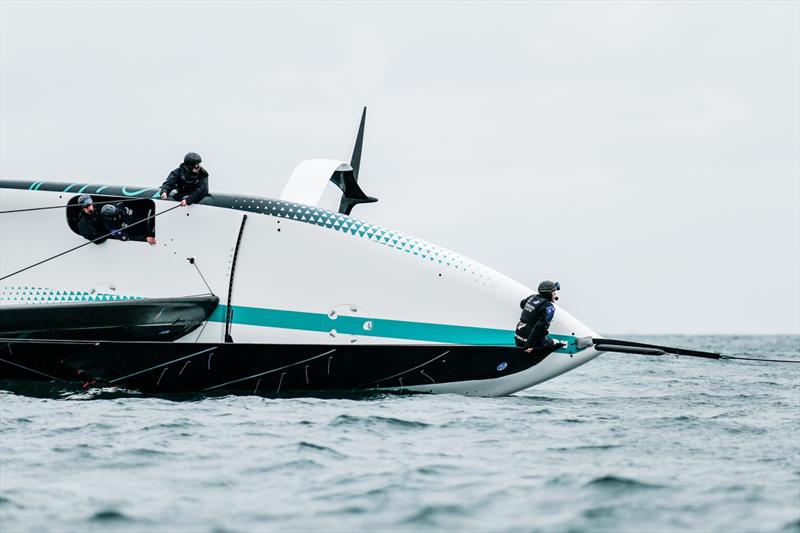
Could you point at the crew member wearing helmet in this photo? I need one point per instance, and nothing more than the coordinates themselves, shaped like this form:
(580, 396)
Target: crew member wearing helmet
(89, 224)
(187, 183)
(116, 218)
(113, 216)
(537, 313)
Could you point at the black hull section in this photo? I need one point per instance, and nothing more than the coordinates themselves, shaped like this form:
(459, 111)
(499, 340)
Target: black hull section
(264, 369)
(162, 319)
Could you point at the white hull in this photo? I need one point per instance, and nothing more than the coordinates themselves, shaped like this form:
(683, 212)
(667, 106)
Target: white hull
(296, 281)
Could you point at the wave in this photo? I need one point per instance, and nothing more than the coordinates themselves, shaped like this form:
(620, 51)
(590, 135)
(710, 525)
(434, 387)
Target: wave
(621, 483)
(427, 515)
(303, 445)
(793, 526)
(110, 515)
(588, 447)
(344, 420)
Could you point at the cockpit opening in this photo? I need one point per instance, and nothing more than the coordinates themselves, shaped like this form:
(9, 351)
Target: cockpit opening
(122, 221)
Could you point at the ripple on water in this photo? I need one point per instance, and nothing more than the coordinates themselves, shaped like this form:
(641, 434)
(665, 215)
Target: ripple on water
(303, 445)
(83, 428)
(587, 447)
(293, 465)
(438, 470)
(617, 483)
(8, 502)
(110, 515)
(793, 526)
(431, 515)
(148, 452)
(174, 424)
(389, 422)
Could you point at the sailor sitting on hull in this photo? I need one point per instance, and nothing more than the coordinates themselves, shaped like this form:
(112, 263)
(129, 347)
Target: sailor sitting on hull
(537, 313)
(188, 183)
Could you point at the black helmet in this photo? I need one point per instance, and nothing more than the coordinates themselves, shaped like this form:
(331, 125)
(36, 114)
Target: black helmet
(191, 159)
(547, 287)
(109, 211)
(84, 200)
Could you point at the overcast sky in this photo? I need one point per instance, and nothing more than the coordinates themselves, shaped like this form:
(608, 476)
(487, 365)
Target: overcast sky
(646, 155)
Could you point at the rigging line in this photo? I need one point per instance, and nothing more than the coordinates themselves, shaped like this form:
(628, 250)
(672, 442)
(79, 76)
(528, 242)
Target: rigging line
(202, 329)
(115, 201)
(193, 261)
(755, 359)
(669, 349)
(268, 371)
(683, 351)
(404, 371)
(87, 243)
(163, 364)
(32, 370)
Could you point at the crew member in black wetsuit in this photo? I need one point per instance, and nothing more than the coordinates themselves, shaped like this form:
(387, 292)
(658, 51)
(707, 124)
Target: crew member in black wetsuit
(116, 218)
(89, 225)
(187, 183)
(537, 313)
(113, 220)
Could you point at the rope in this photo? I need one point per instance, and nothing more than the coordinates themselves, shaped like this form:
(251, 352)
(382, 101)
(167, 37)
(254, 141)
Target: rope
(87, 243)
(763, 360)
(116, 201)
(193, 262)
(680, 351)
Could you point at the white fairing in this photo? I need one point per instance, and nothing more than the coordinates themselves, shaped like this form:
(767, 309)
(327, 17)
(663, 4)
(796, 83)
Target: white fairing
(343, 281)
(309, 179)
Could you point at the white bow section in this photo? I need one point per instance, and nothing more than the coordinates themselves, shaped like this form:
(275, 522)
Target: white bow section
(308, 181)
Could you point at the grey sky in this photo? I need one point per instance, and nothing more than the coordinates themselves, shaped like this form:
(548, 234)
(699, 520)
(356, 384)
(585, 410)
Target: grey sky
(644, 154)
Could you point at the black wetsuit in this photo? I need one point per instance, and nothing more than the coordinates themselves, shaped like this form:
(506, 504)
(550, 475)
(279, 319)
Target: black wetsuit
(129, 224)
(117, 230)
(532, 329)
(91, 226)
(189, 186)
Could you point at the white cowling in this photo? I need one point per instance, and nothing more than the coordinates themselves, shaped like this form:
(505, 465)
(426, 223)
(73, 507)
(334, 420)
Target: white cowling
(309, 179)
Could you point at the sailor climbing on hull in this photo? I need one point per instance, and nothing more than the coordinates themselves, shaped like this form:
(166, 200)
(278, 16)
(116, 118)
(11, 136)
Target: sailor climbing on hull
(537, 313)
(188, 183)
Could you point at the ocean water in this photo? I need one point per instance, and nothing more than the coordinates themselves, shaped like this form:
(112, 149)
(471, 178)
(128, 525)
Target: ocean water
(624, 443)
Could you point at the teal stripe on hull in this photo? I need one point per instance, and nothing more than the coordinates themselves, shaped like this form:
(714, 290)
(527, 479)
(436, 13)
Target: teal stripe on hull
(393, 329)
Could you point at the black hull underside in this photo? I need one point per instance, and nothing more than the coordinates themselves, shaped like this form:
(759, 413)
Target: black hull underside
(265, 369)
(162, 319)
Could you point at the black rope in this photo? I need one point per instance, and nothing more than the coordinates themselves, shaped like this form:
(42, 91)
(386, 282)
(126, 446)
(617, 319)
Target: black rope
(667, 349)
(87, 243)
(192, 261)
(763, 360)
(115, 201)
(681, 351)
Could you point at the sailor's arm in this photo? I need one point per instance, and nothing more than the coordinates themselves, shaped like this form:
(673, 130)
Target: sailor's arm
(169, 184)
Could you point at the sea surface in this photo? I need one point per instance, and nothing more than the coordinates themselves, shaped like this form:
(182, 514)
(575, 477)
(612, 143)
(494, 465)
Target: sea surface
(624, 443)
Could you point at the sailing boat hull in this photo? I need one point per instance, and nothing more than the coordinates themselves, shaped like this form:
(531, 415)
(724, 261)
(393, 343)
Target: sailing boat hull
(167, 367)
(293, 280)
